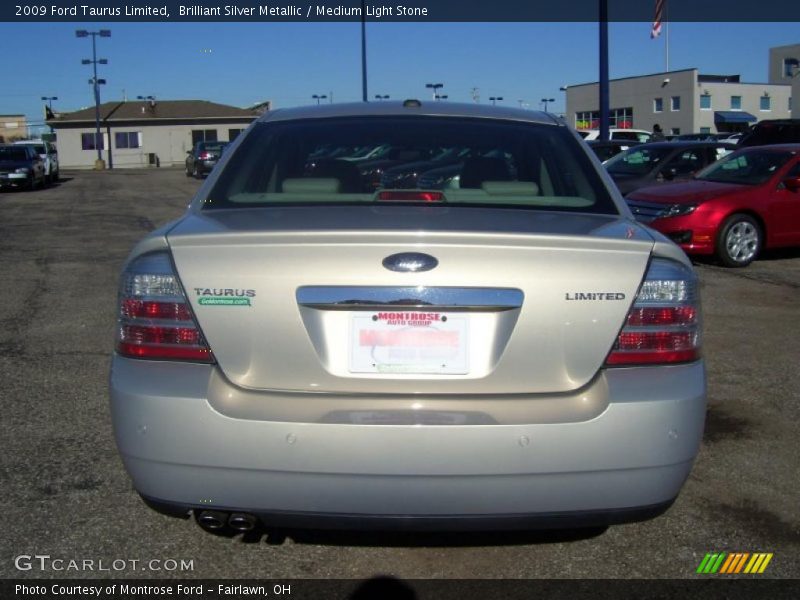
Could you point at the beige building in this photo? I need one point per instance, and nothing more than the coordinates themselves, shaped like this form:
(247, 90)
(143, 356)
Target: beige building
(784, 67)
(684, 101)
(145, 133)
(13, 128)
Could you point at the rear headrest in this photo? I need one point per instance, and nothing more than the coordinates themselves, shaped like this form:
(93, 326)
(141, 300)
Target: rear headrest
(510, 188)
(346, 172)
(320, 185)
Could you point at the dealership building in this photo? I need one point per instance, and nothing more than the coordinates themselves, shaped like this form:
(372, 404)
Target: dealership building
(684, 101)
(784, 67)
(146, 133)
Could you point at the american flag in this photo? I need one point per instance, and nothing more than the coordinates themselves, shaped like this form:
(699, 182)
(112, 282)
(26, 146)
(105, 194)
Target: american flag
(656, 30)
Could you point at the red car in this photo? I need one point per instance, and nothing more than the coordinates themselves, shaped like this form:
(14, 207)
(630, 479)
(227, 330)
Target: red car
(744, 202)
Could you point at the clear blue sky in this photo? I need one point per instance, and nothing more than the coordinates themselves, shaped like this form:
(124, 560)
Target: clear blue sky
(242, 63)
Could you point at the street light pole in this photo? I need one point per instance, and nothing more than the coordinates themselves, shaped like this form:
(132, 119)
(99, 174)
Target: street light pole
(547, 101)
(96, 83)
(495, 99)
(435, 87)
(319, 97)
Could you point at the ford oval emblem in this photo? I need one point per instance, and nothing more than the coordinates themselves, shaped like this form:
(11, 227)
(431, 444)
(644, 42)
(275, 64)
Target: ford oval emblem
(410, 262)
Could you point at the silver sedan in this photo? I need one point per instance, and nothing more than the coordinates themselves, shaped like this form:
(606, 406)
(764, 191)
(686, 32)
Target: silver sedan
(306, 348)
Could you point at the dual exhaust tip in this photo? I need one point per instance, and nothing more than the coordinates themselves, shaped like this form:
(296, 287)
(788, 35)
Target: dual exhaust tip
(217, 520)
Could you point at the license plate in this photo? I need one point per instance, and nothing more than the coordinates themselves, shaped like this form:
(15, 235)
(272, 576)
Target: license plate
(411, 342)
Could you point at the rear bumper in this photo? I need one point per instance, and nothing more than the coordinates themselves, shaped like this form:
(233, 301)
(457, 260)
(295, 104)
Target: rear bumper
(628, 463)
(433, 523)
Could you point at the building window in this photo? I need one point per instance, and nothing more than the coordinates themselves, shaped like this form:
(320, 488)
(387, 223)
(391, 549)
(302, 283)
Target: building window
(233, 134)
(705, 130)
(764, 103)
(705, 101)
(658, 105)
(618, 118)
(675, 131)
(736, 103)
(621, 118)
(203, 135)
(128, 139)
(675, 103)
(790, 65)
(587, 120)
(88, 141)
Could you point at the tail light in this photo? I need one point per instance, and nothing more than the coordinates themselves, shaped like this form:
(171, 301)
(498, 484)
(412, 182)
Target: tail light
(155, 320)
(663, 325)
(205, 155)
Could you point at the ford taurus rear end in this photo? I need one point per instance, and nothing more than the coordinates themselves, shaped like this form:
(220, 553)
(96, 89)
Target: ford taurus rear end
(513, 351)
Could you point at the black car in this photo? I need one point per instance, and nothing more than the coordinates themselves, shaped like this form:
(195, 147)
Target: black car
(21, 167)
(660, 162)
(772, 131)
(605, 149)
(203, 158)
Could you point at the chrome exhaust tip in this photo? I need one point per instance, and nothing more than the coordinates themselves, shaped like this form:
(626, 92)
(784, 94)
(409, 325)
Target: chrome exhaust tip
(212, 520)
(242, 522)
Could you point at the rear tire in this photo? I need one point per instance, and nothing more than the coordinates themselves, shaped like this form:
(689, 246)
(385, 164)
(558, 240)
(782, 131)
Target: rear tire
(739, 241)
(188, 171)
(196, 173)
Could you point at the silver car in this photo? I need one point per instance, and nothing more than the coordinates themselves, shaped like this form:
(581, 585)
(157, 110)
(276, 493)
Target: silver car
(302, 350)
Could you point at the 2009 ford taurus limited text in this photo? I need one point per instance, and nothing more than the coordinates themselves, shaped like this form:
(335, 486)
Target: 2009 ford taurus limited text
(507, 349)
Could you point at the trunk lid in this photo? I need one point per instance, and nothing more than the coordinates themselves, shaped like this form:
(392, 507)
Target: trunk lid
(284, 296)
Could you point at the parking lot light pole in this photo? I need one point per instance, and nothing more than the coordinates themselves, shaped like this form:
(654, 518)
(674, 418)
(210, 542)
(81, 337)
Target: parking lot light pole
(547, 101)
(435, 87)
(319, 97)
(49, 100)
(82, 33)
(381, 96)
(495, 99)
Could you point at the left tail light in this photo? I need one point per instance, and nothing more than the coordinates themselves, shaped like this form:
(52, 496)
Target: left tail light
(155, 319)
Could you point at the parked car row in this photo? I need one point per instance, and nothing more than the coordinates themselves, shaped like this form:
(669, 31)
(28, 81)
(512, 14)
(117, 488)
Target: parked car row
(726, 200)
(22, 166)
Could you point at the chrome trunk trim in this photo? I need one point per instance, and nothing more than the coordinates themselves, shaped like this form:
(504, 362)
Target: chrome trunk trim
(359, 298)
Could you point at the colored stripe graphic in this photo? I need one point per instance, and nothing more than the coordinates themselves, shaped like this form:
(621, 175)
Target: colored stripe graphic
(703, 563)
(729, 562)
(734, 563)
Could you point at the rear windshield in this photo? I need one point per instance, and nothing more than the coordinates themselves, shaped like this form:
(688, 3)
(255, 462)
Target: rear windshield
(362, 160)
(11, 153)
(213, 146)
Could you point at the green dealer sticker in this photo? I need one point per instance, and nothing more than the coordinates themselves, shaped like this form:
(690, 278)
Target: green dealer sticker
(224, 301)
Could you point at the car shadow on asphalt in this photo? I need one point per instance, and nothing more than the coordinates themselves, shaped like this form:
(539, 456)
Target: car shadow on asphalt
(404, 539)
(765, 256)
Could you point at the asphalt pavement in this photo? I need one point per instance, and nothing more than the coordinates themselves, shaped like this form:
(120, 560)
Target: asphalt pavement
(67, 496)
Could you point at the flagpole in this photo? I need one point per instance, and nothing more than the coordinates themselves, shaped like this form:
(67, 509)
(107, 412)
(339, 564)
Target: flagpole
(666, 36)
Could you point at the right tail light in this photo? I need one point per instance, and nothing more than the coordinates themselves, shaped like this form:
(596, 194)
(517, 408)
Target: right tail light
(663, 325)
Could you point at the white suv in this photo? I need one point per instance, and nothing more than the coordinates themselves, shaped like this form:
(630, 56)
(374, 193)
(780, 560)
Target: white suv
(47, 151)
(635, 135)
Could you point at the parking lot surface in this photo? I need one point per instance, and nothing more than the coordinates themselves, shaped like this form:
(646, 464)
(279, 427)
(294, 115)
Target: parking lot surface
(66, 495)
